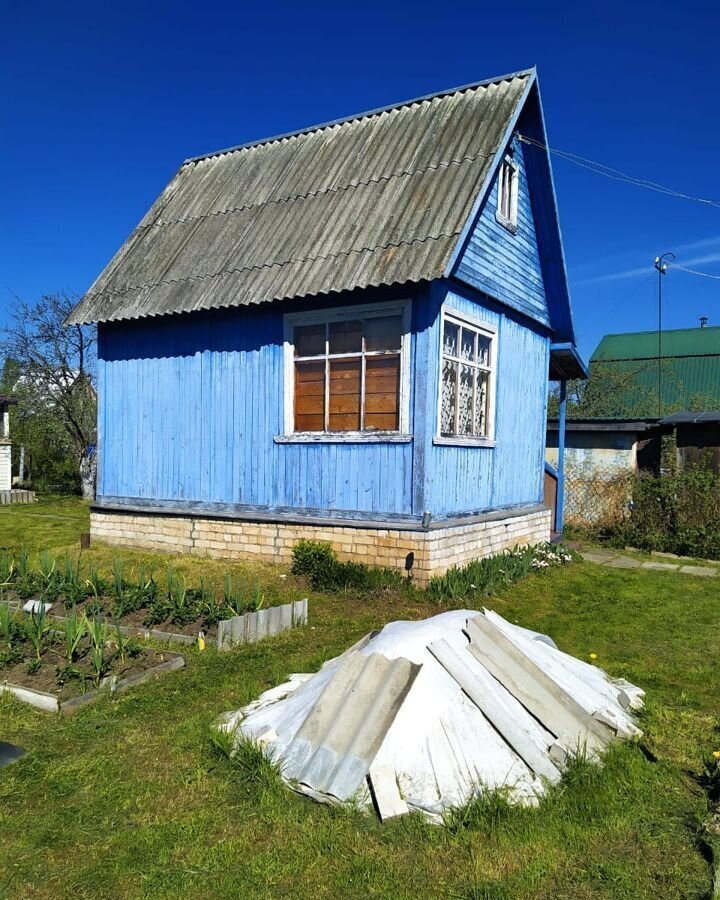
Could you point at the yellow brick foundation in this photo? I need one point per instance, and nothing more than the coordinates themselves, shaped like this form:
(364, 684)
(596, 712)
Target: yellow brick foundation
(433, 551)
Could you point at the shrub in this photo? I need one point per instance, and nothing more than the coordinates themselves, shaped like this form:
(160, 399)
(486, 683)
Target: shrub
(314, 559)
(317, 561)
(675, 512)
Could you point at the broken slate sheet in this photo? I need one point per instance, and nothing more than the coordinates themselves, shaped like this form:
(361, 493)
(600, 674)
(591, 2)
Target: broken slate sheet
(424, 715)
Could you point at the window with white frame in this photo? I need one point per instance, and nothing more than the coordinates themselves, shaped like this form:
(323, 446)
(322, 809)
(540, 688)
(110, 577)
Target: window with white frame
(507, 208)
(467, 378)
(346, 370)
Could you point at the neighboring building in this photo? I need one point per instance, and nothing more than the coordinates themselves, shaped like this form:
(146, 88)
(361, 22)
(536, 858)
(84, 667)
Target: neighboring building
(344, 333)
(7, 493)
(697, 438)
(640, 394)
(641, 389)
(686, 377)
(611, 445)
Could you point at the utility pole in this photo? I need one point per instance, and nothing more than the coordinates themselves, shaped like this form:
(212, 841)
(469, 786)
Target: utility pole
(661, 266)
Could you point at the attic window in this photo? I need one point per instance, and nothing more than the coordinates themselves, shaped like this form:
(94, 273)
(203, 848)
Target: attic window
(507, 208)
(346, 371)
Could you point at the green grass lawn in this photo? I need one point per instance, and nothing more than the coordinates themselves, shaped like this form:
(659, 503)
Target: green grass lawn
(51, 523)
(130, 799)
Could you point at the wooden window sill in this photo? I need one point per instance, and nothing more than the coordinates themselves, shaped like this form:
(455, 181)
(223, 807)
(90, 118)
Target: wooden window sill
(507, 224)
(460, 441)
(343, 437)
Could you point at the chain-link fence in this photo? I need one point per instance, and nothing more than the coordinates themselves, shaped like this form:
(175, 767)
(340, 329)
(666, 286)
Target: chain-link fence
(595, 496)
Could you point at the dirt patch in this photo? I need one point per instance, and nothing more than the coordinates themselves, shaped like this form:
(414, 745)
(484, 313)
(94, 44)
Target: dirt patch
(136, 619)
(64, 680)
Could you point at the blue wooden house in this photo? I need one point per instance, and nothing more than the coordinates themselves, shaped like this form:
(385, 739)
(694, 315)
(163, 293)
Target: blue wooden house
(345, 333)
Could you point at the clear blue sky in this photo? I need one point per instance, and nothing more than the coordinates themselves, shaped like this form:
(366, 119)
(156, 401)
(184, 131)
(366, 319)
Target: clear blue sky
(102, 101)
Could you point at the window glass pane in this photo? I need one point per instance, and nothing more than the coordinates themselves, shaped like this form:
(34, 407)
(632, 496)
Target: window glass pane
(345, 337)
(383, 333)
(483, 356)
(505, 181)
(310, 340)
(450, 339)
(465, 401)
(481, 397)
(467, 345)
(382, 393)
(344, 399)
(310, 396)
(447, 397)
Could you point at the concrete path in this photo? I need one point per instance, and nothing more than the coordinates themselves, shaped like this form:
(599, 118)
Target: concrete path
(615, 560)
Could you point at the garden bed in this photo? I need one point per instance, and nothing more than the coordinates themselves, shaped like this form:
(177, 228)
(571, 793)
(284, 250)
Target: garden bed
(166, 609)
(62, 669)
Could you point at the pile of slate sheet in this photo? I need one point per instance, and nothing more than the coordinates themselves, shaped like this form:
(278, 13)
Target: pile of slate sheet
(422, 715)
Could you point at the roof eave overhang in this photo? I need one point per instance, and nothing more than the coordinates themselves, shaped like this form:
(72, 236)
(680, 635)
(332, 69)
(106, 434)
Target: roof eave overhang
(566, 363)
(603, 424)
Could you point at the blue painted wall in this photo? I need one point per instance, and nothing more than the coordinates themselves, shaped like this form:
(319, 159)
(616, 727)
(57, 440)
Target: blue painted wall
(503, 264)
(462, 479)
(189, 407)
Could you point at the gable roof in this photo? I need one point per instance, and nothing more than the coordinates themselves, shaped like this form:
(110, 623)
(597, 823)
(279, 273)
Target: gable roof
(689, 370)
(377, 199)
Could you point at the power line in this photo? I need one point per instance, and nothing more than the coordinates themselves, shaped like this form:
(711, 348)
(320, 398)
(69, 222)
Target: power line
(626, 298)
(616, 174)
(693, 271)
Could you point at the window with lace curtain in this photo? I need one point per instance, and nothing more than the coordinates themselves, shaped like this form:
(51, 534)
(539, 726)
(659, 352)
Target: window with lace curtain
(466, 379)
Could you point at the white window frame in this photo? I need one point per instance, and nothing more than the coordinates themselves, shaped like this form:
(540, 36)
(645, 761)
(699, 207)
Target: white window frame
(511, 166)
(347, 313)
(491, 332)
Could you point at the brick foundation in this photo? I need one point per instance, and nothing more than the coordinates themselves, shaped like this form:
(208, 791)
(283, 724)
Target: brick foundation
(434, 551)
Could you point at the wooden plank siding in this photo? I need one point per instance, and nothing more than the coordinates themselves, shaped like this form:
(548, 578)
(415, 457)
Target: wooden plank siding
(189, 408)
(466, 478)
(190, 413)
(503, 264)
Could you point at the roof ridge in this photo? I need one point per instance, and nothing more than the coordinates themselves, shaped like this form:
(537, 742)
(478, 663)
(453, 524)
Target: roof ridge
(363, 115)
(655, 331)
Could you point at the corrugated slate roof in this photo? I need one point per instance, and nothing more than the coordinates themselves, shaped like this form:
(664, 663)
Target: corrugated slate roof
(690, 370)
(337, 741)
(378, 199)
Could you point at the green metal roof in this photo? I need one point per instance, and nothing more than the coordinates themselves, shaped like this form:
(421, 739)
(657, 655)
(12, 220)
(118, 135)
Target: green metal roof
(644, 344)
(689, 369)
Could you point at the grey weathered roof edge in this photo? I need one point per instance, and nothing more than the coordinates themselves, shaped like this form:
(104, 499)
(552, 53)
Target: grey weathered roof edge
(531, 71)
(689, 417)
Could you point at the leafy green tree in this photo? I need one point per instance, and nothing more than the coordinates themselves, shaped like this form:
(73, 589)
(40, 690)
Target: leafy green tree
(603, 395)
(627, 391)
(50, 370)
